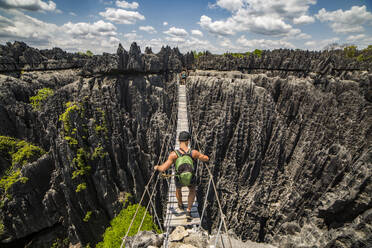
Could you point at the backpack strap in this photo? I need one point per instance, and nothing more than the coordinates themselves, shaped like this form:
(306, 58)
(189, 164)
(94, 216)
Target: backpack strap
(178, 153)
(189, 152)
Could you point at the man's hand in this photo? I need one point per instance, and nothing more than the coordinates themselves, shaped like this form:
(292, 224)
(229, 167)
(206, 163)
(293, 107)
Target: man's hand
(156, 167)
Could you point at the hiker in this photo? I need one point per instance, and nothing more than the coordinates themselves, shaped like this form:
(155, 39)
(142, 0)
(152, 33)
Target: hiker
(185, 170)
(183, 77)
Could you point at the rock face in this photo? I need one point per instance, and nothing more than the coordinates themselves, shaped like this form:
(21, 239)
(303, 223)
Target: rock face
(102, 134)
(285, 62)
(291, 156)
(19, 56)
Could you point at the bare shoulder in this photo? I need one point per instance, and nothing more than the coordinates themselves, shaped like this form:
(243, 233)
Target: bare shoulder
(173, 155)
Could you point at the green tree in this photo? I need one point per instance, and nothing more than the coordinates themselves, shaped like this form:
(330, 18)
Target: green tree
(89, 53)
(113, 235)
(350, 51)
(257, 52)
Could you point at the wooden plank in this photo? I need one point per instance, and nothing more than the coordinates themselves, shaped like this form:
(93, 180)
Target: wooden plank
(177, 212)
(183, 222)
(172, 198)
(174, 216)
(172, 190)
(182, 216)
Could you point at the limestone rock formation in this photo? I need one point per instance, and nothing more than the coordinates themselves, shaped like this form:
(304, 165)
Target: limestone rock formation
(18, 56)
(102, 135)
(288, 133)
(291, 156)
(285, 62)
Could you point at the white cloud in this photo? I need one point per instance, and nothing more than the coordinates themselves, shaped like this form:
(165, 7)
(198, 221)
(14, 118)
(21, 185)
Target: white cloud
(320, 44)
(175, 39)
(24, 27)
(5, 22)
(231, 5)
(348, 21)
(303, 36)
(178, 32)
(70, 36)
(32, 5)
(346, 28)
(122, 16)
(260, 17)
(280, 8)
(267, 25)
(217, 27)
(148, 29)
(110, 42)
(225, 42)
(132, 36)
(263, 44)
(165, 23)
(106, 2)
(305, 19)
(355, 37)
(197, 32)
(99, 28)
(126, 5)
(72, 13)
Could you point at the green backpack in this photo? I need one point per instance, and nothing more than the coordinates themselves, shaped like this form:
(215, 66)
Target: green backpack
(184, 167)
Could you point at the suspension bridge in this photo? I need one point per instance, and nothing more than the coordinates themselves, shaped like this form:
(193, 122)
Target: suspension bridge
(173, 215)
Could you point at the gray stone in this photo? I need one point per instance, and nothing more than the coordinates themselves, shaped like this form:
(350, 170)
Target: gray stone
(291, 154)
(144, 239)
(178, 234)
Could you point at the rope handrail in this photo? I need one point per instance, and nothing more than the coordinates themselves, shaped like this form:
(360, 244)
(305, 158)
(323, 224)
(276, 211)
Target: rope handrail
(147, 207)
(219, 204)
(216, 195)
(135, 214)
(165, 242)
(146, 187)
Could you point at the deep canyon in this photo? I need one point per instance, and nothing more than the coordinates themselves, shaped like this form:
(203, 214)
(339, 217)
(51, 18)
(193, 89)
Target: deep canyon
(288, 133)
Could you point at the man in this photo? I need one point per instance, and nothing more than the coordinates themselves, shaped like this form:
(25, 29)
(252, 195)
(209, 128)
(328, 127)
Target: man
(183, 77)
(174, 158)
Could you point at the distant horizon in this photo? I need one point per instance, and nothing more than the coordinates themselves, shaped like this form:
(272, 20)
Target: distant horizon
(338, 47)
(218, 26)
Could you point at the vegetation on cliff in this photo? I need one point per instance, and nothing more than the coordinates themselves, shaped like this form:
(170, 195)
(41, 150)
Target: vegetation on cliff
(75, 132)
(18, 153)
(360, 55)
(120, 224)
(41, 96)
(256, 52)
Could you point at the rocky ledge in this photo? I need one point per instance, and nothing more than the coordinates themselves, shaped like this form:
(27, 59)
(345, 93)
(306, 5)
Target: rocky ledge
(182, 237)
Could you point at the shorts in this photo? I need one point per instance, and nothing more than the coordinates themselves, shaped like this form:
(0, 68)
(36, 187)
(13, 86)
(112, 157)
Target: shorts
(179, 185)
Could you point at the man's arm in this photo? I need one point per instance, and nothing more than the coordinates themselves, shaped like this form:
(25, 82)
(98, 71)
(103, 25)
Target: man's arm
(171, 158)
(200, 156)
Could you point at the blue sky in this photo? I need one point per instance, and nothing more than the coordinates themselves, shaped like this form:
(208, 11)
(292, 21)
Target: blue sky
(215, 25)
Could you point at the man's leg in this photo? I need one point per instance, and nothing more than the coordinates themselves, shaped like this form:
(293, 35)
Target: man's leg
(191, 198)
(179, 196)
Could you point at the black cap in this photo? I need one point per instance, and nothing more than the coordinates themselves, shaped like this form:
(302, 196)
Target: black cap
(184, 136)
